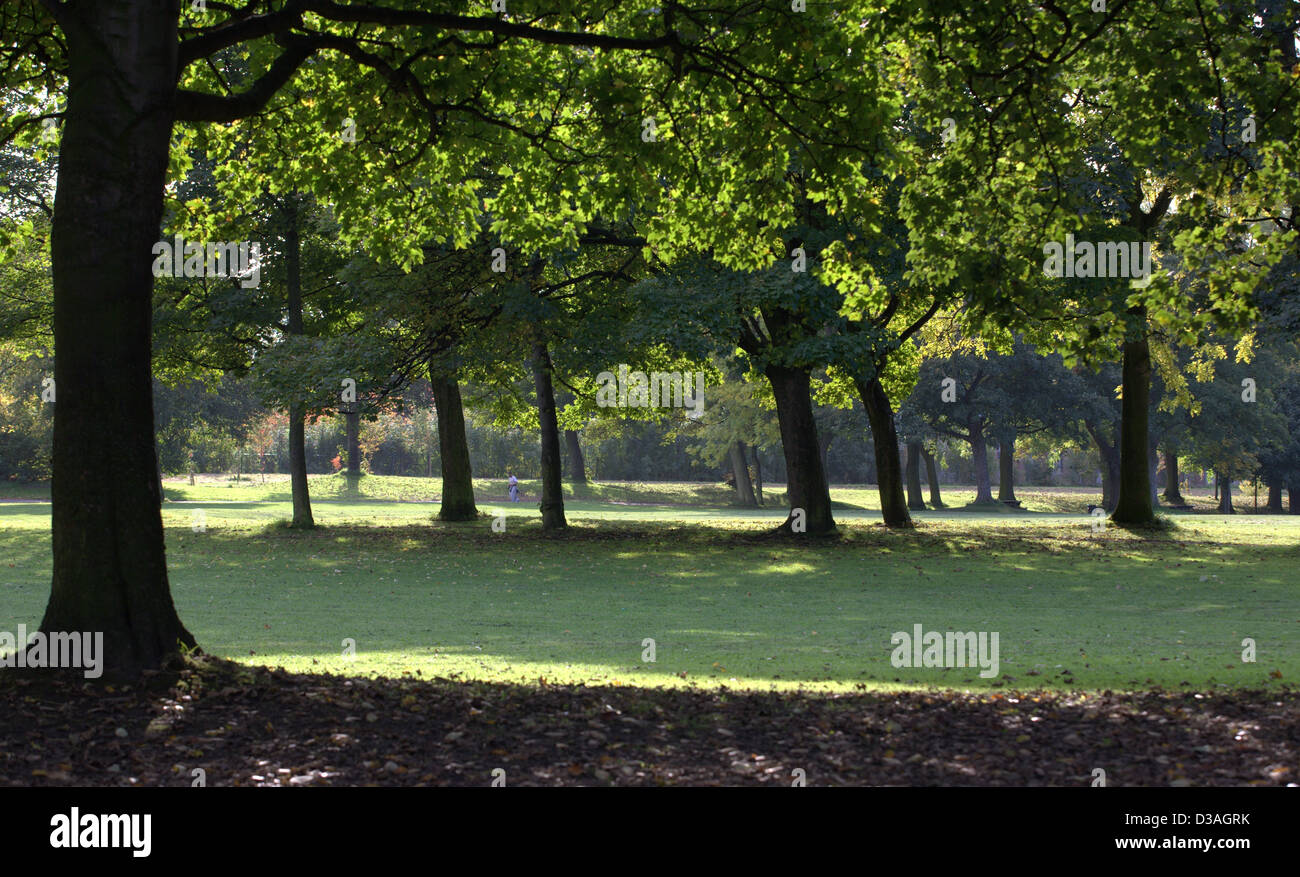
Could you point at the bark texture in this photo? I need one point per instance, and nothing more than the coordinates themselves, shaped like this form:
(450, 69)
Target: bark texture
(109, 565)
(889, 467)
(552, 505)
(453, 448)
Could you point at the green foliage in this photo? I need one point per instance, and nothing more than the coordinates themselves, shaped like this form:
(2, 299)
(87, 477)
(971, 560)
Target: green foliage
(26, 422)
(1229, 433)
(733, 413)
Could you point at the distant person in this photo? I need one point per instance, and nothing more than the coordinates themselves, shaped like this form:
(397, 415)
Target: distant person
(514, 488)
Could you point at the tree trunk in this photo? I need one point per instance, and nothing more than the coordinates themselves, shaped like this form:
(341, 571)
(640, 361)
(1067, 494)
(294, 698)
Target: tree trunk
(1291, 496)
(758, 476)
(806, 479)
(1006, 471)
(1153, 463)
(884, 439)
(453, 448)
(1110, 479)
(1133, 506)
(1109, 456)
(109, 564)
(913, 470)
(1173, 494)
(352, 444)
(824, 445)
(932, 475)
(980, 455)
(740, 469)
(1225, 494)
(552, 487)
(1274, 499)
(576, 464)
(302, 516)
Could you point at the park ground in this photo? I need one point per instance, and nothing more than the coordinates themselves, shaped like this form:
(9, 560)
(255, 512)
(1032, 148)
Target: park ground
(471, 649)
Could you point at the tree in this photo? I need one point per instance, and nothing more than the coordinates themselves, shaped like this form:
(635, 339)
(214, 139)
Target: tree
(129, 78)
(955, 395)
(976, 393)
(1041, 395)
(734, 420)
(932, 473)
(1236, 421)
(1101, 420)
(1112, 161)
(777, 317)
(1280, 371)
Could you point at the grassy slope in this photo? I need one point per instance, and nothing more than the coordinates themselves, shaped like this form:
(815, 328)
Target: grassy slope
(1114, 610)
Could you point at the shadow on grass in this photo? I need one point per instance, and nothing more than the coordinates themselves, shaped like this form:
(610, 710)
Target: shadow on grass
(928, 536)
(278, 728)
(23, 507)
(1160, 526)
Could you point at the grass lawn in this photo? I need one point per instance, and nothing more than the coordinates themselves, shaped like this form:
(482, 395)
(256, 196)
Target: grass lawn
(1074, 609)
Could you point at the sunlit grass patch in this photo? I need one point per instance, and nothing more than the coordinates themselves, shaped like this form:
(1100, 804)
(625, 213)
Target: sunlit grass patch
(725, 602)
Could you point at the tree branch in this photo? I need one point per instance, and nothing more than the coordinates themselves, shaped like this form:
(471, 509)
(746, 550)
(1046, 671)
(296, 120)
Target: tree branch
(196, 106)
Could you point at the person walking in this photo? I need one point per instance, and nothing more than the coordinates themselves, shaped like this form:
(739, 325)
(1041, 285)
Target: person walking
(514, 488)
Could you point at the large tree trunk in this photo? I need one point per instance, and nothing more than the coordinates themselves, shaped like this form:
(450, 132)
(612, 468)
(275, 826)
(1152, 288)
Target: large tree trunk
(1173, 494)
(1292, 495)
(1225, 494)
(1133, 506)
(109, 566)
(302, 516)
(758, 476)
(453, 449)
(1006, 471)
(980, 456)
(1274, 499)
(932, 475)
(889, 467)
(552, 487)
(805, 478)
(576, 464)
(740, 469)
(913, 470)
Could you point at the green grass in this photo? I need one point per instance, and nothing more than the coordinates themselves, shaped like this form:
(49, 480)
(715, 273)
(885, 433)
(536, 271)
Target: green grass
(726, 607)
(673, 494)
